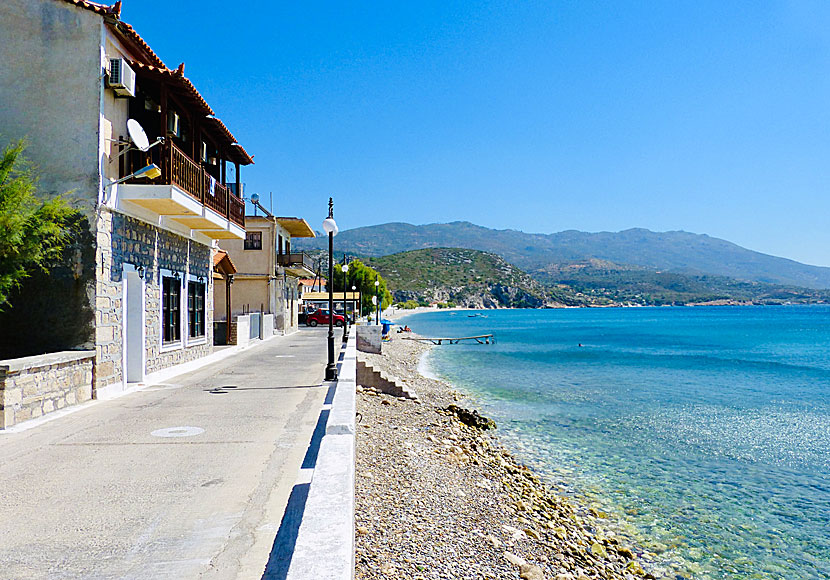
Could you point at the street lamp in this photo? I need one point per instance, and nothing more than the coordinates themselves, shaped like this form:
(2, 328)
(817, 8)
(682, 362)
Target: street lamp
(354, 303)
(345, 313)
(377, 301)
(330, 227)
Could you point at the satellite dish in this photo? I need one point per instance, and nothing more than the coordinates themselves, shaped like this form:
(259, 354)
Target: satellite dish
(137, 135)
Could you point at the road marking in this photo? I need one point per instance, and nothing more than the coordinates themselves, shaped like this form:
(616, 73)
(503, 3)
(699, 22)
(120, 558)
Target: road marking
(284, 356)
(177, 432)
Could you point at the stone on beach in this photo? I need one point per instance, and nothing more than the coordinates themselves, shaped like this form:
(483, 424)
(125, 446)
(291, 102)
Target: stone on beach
(443, 499)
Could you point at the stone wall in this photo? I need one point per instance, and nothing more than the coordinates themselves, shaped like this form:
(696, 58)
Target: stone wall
(125, 240)
(34, 386)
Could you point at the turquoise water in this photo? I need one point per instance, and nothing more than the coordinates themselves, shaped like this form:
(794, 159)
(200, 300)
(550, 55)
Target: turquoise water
(706, 430)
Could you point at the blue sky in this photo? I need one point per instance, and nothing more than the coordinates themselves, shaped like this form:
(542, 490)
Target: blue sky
(710, 117)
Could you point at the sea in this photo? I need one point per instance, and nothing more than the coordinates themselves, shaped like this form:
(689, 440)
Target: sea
(703, 433)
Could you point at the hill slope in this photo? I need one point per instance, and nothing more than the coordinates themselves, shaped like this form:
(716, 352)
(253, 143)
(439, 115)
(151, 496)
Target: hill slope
(465, 277)
(673, 251)
(595, 280)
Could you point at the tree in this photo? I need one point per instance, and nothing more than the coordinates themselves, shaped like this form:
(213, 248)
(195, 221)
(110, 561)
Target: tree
(363, 278)
(33, 233)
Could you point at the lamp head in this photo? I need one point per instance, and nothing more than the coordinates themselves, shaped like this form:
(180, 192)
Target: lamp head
(150, 172)
(377, 283)
(345, 268)
(330, 226)
(255, 198)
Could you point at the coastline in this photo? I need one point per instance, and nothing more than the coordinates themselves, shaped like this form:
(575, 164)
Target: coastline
(438, 498)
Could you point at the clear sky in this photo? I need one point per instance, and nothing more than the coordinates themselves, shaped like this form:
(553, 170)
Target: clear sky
(710, 117)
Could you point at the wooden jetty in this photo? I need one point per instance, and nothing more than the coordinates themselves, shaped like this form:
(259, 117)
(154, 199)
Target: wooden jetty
(480, 339)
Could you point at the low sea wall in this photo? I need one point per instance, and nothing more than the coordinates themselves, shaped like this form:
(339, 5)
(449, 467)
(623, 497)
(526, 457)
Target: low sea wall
(33, 386)
(324, 549)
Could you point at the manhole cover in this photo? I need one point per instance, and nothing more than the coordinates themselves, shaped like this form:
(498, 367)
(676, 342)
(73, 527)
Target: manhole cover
(177, 432)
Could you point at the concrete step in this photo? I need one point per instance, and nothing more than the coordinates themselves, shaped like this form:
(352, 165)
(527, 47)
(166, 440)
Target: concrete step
(383, 382)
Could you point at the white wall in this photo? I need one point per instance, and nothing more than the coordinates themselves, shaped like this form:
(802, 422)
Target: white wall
(50, 86)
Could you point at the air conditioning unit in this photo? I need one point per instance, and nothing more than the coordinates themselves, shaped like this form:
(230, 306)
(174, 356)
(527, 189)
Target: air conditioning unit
(232, 187)
(121, 78)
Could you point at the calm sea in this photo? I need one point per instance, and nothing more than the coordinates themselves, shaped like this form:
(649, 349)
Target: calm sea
(706, 430)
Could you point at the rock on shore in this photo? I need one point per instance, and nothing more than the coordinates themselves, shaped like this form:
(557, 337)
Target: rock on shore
(440, 498)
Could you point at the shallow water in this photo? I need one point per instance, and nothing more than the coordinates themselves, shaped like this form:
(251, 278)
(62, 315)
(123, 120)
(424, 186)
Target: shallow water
(706, 430)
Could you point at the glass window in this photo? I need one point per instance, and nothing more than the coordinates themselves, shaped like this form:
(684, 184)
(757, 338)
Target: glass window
(196, 309)
(253, 240)
(170, 309)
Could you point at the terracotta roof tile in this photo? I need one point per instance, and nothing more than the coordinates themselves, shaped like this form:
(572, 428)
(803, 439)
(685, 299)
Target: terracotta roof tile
(129, 32)
(183, 84)
(94, 6)
(155, 67)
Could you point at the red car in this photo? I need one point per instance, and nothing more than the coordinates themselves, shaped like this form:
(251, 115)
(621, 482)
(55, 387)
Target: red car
(321, 316)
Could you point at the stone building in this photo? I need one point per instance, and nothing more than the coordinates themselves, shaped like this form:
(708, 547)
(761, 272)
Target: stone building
(268, 271)
(152, 170)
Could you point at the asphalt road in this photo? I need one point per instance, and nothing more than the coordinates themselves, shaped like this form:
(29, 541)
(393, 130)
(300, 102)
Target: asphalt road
(188, 479)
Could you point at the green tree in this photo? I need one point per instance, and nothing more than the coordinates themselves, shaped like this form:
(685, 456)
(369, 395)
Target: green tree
(33, 233)
(363, 278)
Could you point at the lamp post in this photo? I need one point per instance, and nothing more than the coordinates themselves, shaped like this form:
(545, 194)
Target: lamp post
(354, 304)
(330, 227)
(377, 301)
(345, 312)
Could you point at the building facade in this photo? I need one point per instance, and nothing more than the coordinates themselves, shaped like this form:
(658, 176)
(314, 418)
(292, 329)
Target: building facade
(152, 172)
(268, 272)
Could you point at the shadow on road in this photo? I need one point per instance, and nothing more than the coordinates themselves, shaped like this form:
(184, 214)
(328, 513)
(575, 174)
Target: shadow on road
(279, 561)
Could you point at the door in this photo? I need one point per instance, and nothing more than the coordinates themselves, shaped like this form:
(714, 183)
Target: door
(134, 328)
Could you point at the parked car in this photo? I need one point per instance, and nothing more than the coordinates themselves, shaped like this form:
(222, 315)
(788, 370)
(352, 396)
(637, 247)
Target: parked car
(321, 316)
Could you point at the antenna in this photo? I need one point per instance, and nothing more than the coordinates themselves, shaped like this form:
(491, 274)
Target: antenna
(139, 138)
(137, 135)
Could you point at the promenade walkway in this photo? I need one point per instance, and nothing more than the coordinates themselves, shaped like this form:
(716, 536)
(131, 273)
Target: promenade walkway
(187, 479)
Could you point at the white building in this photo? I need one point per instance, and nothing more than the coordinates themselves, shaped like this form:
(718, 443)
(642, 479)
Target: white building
(140, 288)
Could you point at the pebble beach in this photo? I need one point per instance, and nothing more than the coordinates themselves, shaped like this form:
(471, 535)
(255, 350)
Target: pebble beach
(437, 496)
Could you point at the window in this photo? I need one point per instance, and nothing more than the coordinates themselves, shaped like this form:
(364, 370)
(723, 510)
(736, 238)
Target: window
(196, 309)
(170, 313)
(253, 240)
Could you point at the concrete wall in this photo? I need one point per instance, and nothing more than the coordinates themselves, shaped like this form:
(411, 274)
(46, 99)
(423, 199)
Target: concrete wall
(33, 386)
(50, 93)
(220, 299)
(369, 339)
(50, 90)
(249, 294)
(241, 330)
(267, 326)
(254, 261)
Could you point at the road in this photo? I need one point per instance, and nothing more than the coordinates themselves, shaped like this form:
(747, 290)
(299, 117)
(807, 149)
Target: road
(186, 479)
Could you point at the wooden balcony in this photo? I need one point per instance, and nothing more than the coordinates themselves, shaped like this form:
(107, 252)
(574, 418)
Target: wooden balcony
(185, 173)
(297, 263)
(184, 193)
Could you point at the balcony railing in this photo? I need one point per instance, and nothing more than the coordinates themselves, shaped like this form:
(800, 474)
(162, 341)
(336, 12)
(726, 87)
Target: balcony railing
(297, 259)
(180, 170)
(200, 185)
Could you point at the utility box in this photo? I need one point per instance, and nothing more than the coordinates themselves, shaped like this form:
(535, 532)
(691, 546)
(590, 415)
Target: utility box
(369, 339)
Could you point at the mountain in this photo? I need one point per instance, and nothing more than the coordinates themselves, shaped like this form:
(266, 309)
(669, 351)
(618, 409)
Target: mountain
(596, 280)
(681, 252)
(464, 277)
(476, 279)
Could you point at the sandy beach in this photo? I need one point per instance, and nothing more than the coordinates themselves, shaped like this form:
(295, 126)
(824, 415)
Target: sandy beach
(440, 498)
